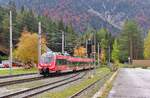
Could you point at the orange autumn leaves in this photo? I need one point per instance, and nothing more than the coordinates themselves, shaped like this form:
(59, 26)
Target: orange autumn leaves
(80, 51)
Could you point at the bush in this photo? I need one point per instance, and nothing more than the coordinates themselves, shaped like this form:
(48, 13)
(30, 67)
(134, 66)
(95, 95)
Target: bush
(115, 66)
(3, 58)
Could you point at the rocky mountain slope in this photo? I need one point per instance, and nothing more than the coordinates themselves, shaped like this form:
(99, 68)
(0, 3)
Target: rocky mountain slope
(94, 13)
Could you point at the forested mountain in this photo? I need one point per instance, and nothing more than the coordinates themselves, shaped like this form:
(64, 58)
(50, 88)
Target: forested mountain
(26, 20)
(94, 13)
(80, 20)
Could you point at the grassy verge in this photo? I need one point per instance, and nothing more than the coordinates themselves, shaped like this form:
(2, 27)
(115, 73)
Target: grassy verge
(75, 88)
(106, 92)
(108, 85)
(18, 71)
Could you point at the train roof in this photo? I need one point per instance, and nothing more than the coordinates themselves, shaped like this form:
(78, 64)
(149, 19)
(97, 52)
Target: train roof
(62, 57)
(73, 59)
(69, 58)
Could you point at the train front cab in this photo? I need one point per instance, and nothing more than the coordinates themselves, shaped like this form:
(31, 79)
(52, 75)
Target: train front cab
(47, 63)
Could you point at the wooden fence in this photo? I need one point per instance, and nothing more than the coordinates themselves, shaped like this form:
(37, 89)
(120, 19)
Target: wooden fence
(141, 63)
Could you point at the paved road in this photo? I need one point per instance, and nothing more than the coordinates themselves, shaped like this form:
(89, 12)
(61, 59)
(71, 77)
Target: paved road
(131, 83)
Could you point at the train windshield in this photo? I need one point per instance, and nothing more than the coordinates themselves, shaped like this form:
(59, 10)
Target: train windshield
(46, 58)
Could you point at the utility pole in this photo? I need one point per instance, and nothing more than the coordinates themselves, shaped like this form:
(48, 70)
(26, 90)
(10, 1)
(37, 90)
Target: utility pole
(109, 50)
(39, 42)
(86, 48)
(63, 41)
(109, 54)
(11, 45)
(98, 53)
(94, 52)
(131, 50)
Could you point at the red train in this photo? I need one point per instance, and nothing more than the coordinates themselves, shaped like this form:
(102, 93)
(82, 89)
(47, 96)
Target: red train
(52, 62)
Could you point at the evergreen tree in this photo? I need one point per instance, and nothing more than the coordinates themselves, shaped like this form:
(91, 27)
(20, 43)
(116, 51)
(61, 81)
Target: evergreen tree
(5, 30)
(27, 20)
(131, 42)
(104, 38)
(70, 39)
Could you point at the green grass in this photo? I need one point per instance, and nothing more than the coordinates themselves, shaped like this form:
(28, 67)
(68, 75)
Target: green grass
(106, 92)
(18, 71)
(75, 88)
(108, 88)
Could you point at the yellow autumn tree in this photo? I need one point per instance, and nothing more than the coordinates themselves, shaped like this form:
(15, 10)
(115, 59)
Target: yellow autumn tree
(80, 51)
(147, 47)
(103, 56)
(27, 48)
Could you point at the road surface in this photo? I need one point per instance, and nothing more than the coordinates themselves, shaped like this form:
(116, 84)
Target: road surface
(131, 83)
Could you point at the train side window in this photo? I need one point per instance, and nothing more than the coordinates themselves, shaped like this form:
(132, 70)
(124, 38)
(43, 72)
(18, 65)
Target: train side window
(61, 62)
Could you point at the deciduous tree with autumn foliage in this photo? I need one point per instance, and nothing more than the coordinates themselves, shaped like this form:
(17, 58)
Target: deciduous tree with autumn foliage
(27, 48)
(80, 51)
(147, 47)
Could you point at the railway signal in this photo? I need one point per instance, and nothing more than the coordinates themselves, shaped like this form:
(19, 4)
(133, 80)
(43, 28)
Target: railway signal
(89, 48)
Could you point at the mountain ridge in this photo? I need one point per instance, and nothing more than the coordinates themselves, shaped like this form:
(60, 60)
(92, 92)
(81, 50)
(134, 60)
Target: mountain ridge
(96, 13)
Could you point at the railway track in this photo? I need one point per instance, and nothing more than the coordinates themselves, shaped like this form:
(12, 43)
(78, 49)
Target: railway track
(89, 86)
(11, 76)
(6, 83)
(40, 89)
(19, 79)
(10, 80)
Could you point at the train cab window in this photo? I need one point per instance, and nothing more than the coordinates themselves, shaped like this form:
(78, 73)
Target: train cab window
(61, 62)
(46, 60)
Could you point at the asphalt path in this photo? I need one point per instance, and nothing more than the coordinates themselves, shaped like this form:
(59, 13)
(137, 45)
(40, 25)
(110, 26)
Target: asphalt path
(131, 83)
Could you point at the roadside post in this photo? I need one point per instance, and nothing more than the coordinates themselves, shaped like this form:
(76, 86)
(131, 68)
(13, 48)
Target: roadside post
(129, 60)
